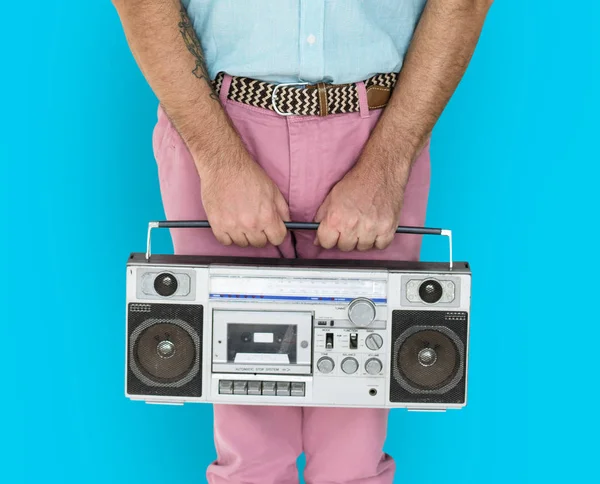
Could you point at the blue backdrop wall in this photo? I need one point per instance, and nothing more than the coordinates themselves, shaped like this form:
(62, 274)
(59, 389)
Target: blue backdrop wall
(515, 175)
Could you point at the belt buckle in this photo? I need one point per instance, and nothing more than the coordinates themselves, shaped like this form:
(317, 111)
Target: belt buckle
(274, 95)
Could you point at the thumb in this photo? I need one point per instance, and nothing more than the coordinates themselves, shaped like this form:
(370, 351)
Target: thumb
(320, 215)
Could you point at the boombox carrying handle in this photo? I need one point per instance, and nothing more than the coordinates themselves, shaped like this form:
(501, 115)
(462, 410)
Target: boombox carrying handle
(191, 224)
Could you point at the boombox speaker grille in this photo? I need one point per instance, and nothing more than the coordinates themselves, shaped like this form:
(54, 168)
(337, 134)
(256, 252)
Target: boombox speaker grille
(164, 349)
(428, 357)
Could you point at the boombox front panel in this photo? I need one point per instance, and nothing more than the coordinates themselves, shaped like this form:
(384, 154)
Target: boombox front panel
(350, 321)
(164, 349)
(428, 358)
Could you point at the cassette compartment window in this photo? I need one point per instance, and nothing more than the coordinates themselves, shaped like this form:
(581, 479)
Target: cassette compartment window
(244, 340)
(262, 338)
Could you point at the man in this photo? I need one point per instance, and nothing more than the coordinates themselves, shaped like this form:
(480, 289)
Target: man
(349, 149)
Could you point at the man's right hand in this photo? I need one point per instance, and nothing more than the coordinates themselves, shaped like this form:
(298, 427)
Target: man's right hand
(244, 206)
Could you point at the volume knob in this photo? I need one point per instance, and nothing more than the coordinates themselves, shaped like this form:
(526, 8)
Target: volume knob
(361, 312)
(325, 364)
(373, 366)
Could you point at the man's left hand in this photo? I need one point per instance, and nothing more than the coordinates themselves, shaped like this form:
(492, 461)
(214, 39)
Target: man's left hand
(362, 210)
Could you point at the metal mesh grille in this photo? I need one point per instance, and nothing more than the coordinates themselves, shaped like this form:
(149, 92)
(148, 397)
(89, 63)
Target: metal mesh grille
(164, 349)
(414, 333)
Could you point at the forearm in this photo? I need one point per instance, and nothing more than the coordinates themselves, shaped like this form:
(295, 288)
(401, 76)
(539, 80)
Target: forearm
(442, 46)
(170, 56)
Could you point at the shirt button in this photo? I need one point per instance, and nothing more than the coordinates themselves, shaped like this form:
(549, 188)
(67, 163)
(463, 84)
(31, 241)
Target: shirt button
(311, 39)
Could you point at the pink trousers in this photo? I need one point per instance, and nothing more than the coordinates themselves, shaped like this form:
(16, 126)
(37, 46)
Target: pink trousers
(305, 157)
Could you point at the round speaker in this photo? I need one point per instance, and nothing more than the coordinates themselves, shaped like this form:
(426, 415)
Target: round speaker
(428, 359)
(430, 291)
(165, 352)
(165, 284)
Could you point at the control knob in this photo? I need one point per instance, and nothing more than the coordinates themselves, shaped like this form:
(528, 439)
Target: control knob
(349, 365)
(374, 341)
(361, 312)
(325, 364)
(373, 366)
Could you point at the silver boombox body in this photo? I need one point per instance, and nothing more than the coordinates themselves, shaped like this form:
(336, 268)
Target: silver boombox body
(377, 334)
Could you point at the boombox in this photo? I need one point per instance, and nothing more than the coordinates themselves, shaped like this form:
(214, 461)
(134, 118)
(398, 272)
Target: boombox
(330, 333)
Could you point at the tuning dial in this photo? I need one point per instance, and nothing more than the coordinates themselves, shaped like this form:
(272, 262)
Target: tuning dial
(374, 341)
(349, 365)
(373, 366)
(361, 312)
(325, 364)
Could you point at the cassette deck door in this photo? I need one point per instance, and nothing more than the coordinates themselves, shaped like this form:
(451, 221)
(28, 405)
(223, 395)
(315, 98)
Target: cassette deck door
(265, 342)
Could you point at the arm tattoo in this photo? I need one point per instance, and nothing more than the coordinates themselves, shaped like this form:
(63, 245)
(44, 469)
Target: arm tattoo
(193, 45)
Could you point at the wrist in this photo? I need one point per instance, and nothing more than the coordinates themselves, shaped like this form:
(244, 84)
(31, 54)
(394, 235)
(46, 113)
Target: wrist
(230, 161)
(394, 135)
(389, 167)
(217, 152)
(211, 164)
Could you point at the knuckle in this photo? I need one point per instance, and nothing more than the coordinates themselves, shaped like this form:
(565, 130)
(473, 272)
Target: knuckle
(267, 215)
(334, 219)
(369, 226)
(267, 218)
(352, 221)
(384, 228)
(226, 223)
(248, 221)
(364, 231)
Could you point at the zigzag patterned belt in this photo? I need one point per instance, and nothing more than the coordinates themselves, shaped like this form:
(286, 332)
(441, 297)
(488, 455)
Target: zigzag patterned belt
(310, 99)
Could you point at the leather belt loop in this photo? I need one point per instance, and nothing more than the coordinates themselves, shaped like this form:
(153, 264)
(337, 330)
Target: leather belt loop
(225, 88)
(322, 91)
(362, 100)
(378, 96)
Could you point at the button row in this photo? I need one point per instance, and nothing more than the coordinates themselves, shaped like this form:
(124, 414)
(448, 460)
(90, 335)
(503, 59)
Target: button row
(271, 388)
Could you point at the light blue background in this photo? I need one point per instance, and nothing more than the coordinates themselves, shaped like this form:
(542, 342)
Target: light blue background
(515, 176)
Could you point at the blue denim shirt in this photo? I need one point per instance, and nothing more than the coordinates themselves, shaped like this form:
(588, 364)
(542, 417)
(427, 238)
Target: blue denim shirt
(335, 41)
